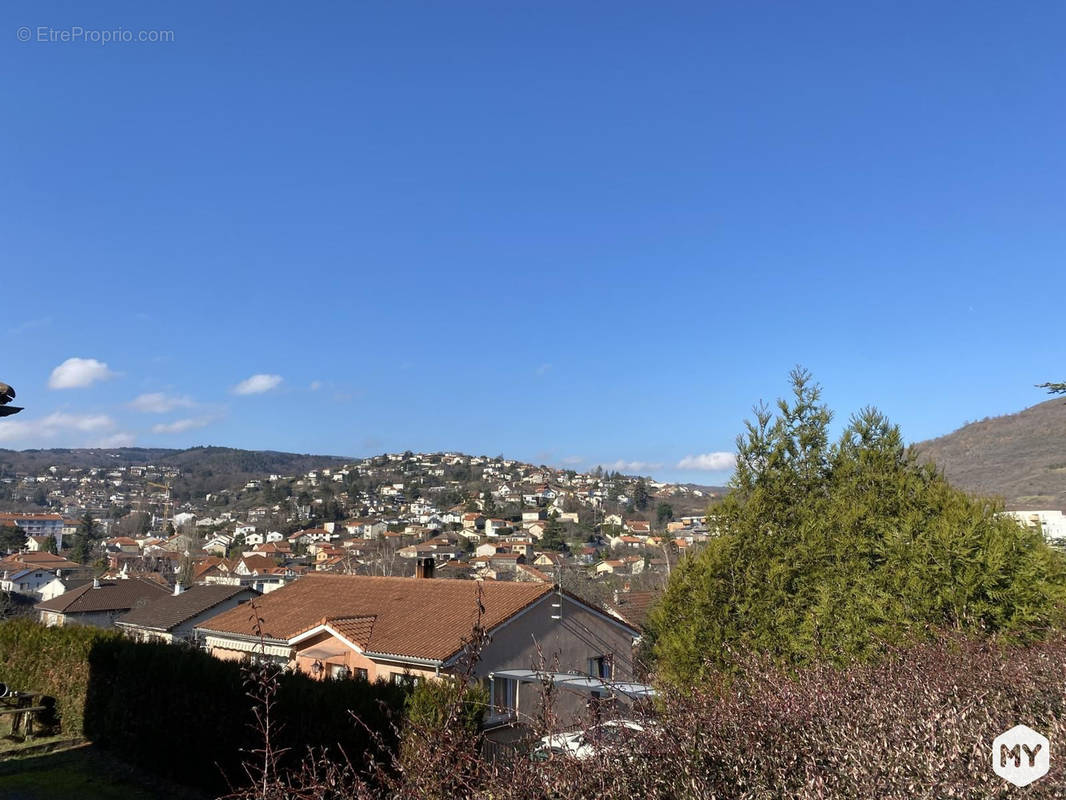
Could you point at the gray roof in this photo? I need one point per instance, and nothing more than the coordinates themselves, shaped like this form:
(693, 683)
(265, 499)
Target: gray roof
(165, 613)
(117, 596)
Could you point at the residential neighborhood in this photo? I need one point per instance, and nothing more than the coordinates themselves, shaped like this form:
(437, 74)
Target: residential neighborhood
(381, 568)
(489, 518)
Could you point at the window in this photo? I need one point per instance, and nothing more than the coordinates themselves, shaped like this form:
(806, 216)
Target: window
(503, 695)
(360, 674)
(601, 667)
(338, 671)
(406, 679)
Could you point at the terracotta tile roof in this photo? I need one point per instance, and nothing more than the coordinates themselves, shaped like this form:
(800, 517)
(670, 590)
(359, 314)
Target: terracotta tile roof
(424, 618)
(118, 596)
(44, 560)
(169, 611)
(533, 572)
(633, 607)
(354, 629)
(205, 565)
(258, 563)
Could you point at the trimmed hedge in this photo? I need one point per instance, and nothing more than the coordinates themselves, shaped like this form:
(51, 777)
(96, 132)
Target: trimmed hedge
(180, 712)
(54, 661)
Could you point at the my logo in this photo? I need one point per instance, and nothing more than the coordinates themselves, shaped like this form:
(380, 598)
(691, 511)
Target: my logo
(1021, 755)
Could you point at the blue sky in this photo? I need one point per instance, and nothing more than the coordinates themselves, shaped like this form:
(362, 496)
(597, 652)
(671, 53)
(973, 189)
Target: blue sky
(570, 232)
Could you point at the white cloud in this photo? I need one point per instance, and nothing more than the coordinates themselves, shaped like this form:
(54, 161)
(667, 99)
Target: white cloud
(711, 462)
(76, 373)
(257, 384)
(53, 425)
(632, 467)
(182, 425)
(159, 403)
(115, 440)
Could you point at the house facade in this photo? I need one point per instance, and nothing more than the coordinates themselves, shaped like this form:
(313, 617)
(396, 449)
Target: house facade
(411, 629)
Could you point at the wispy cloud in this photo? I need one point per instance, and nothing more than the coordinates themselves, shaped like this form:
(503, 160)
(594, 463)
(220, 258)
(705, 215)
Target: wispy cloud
(115, 440)
(316, 385)
(55, 424)
(182, 425)
(632, 467)
(258, 384)
(572, 460)
(159, 403)
(29, 325)
(543, 370)
(77, 373)
(710, 462)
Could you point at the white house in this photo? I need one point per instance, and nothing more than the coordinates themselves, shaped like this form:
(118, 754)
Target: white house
(1052, 522)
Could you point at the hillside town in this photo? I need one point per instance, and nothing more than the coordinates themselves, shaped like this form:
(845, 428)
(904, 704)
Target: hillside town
(601, 534)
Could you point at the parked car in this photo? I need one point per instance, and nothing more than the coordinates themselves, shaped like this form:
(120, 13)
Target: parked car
(589, 742)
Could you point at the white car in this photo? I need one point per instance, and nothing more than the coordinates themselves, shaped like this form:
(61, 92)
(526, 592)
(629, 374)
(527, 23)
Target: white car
(587, 743)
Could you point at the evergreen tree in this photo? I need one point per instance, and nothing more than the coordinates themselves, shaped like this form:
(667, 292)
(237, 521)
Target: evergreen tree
(12, 538)
(85, 539)
(830, 551)
(664, 513)
(640, 494)
(554, 534)
(50, 546)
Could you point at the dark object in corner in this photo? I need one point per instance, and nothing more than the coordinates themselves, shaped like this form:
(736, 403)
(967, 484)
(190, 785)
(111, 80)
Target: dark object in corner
(7, 394)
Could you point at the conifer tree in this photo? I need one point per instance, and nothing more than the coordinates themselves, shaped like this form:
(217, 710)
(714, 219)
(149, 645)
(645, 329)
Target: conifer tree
(830, 551)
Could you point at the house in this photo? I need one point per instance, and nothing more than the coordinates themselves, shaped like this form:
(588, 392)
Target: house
(123, 544)
(497, 527)
(529, 574)
(218, 544)
(28, 581)
(638, 527)
(536, 529)
(273, 549)
(632, 607)
(211, 565)
(473, 521)
(254, 565)
(37, 525)
(62, 582)
(37, 574)
(99, 603)
(36, 544)
(408, 629)
(173, 617)
(549, 560)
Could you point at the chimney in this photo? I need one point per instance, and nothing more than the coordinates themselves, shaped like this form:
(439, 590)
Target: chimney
(178, 588)
(96, 583)
(424, 567)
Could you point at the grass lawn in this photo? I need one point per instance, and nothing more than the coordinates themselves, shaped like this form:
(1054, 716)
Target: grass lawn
(82, 773)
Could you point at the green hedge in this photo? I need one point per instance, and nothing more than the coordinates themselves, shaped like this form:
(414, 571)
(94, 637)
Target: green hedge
(180, 712)
(54, 661)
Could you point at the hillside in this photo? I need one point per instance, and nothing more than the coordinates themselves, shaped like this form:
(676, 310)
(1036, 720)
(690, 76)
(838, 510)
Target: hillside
(203, 469)
(1019, 457)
